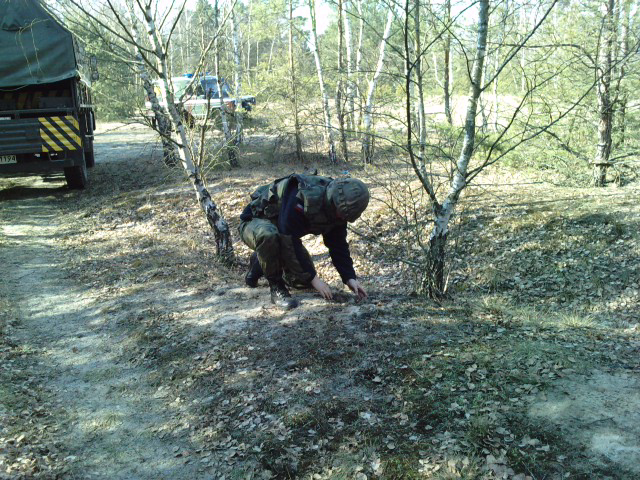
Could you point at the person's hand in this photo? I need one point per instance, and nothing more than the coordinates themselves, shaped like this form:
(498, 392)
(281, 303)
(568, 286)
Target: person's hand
(356, 287)
(322, 287)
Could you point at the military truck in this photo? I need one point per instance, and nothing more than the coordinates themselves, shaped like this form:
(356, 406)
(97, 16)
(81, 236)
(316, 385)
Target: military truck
(47, 116)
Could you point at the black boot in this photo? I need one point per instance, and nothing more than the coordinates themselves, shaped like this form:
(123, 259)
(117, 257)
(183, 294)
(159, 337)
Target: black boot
(280, 296)
(255, 271)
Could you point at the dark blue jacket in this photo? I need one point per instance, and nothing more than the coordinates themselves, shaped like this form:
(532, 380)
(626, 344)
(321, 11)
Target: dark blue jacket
(292, 221)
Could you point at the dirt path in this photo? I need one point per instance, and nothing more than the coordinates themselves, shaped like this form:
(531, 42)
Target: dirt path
(107, 413)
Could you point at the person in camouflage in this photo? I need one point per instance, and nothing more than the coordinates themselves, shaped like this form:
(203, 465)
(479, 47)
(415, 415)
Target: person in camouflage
(289, 208)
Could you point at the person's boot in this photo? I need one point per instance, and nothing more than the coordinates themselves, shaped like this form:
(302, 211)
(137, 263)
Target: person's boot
(255, 272)
(280, 296)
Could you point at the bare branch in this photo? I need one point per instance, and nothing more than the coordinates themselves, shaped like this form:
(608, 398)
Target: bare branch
(519, 46)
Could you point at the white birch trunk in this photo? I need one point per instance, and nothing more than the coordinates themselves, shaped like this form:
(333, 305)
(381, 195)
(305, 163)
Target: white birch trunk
(237, 78)
(249, 30)
(350, 85)
(216, 220)
(358, 72)
(228, 138)
(163, 124)
(273, 42)
(340, 94)
(328, 131)
(422, 127)
(523, 50)
(294, 93)
(367, 139)
(448, 67)
(434, 280)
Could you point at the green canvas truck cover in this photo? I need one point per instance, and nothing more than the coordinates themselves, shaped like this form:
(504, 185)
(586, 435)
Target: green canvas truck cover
(34, 48)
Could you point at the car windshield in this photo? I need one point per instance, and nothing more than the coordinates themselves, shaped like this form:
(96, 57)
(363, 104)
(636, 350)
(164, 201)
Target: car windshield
(180, 85)
(211, 85)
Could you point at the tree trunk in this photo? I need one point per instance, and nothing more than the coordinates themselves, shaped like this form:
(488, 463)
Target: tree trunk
(496, 65)
(350, 86)
(239, 138)
(339, 90)
(358, 72)
(217, 222)
(422, 123)
(328, 131)
(273, 42)
(228, 138)
(249, 30)
(367, 138)
(523, 50)
(257, 57)
(294, 93)
(605, 107)
(623, 91)
(447, 81)
(434, 279)
(162, 121)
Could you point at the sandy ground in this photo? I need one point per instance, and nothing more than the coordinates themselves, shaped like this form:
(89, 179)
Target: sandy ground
(107, 409)
(600, 411)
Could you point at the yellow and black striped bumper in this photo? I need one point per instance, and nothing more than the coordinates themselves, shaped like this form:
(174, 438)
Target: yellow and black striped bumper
(60, 133)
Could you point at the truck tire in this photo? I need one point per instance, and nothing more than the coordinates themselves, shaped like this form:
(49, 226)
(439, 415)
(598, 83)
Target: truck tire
(89, 158)
(76, 176)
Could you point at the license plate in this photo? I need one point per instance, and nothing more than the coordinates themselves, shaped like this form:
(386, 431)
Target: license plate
(5, 159)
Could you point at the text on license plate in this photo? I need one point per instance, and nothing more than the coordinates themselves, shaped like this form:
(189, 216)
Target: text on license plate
(4, 159)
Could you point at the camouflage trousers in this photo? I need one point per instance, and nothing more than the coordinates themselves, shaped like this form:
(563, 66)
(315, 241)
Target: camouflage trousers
(275, 252)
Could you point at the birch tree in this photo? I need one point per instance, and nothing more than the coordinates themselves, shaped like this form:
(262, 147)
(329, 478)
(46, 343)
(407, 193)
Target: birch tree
(237, 77)
(496, 59)
(340, 107)
(351, 90)
(216, 220)
(153, 52)
(326, 109)
(117, 46)
(358, 70)
(293, 88)
(367, 139)
(443, 205)
(422, 125)
(434, 281)
(228, 138)
(448, 64)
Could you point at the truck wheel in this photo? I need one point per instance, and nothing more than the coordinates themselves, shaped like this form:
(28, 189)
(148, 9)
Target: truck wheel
(76, 176)
(89, 158)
